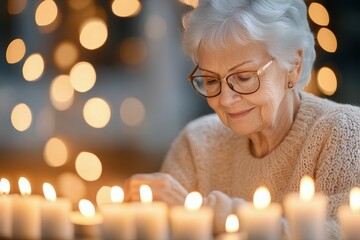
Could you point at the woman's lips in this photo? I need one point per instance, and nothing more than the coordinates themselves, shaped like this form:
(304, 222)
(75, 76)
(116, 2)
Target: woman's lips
(240, 114)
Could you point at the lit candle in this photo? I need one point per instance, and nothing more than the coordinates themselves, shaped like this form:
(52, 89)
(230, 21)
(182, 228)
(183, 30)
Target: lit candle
(151, 217)
(119, 217)
(261, 220)
(232, 229)
(306, 212)
(86, 221)
(26, 222)
(191, 221)
(349, 216)
(5, 209)
(55, 221)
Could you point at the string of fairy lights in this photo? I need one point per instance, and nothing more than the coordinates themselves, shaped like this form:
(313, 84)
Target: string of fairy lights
(77, 76)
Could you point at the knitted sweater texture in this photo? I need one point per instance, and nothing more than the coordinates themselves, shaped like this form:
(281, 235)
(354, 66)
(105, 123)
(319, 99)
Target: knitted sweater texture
(323, 142)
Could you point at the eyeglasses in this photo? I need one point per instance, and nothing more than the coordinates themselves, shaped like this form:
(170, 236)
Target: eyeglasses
(241, 82)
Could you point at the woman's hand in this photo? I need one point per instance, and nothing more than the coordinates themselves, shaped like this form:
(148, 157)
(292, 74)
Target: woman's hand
(163, 186)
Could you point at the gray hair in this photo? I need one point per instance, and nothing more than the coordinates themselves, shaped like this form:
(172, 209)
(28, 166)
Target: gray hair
(281, 25)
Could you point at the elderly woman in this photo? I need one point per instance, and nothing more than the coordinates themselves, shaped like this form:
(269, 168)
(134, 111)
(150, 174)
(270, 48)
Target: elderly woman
(252, 59)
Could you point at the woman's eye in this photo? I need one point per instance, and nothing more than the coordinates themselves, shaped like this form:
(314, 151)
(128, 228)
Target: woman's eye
(210, 82)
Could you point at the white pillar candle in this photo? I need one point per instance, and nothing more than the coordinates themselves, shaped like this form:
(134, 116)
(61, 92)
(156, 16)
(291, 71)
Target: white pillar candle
(55, 215)
(261, 220)
(86, 221)
(26, 222)
(349, 217)
(191, 221)
(119, 217)
(232, 229)
(5, 209)
(151, 217)
(306, 212)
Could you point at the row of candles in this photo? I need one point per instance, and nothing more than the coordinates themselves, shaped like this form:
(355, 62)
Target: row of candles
(29, 216)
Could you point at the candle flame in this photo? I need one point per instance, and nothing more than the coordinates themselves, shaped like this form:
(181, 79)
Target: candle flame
(117, 194)
(145, 194)
(24, 186)
(49, 192)
(193, 201)
(232, 223)
(307, 188)
(4, 186)
(355, 199)
(86, 208)
(262, 198)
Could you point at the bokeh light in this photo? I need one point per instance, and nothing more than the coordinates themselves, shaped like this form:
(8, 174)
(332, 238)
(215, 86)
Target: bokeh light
(15, 51)
(318, 14)
(133, 51)
(21, 117)
(61, 90)
(46, 13)
(126, 8)
(16, 6)
(82, 76)
(55, 152)
(97, 112)
(132, 111)
(155, 27)
(65, 55)
(88, 166)
(103, 196)
(93, 33)
(71, 186)
(327, 81)
(327, 40)
(33, 67)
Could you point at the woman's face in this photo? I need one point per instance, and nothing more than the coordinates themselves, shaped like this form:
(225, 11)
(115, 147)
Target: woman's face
(245, 114)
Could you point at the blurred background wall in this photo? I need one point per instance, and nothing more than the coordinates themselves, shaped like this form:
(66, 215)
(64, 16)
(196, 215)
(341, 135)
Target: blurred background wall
(94, 91)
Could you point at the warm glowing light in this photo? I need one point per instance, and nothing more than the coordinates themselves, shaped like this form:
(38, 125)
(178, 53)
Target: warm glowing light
(24, 186)
(88, 166)
(117, 194)
(61, 89)
(4, 186)
(133, 51)
(193, 201)
(33, 67)
(93, 33)
(126, 8)
(103, 195)
(82, 76)
(16, 6)
(86, 208)
(327, 40)
(21, 117)
(80, 5)
(15, 51)
(65, 55)
(97, 112)
(318, 14)
(193, 3)
(55, 153)
(155, 27)
(132, 111)
(327, 81)
(262, 198)
(145, 194)
(49, 192)
(355, 199)
(307, 188)
(232, 223)
(46, 13)
(71, 186)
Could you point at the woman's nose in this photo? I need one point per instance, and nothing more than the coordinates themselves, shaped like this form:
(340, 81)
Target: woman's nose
(227, 95)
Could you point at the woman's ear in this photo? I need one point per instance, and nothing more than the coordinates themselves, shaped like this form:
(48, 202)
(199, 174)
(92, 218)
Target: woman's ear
(293, 76)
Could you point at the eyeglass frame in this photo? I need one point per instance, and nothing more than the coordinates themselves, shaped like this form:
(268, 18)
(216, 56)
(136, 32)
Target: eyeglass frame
(258, 72)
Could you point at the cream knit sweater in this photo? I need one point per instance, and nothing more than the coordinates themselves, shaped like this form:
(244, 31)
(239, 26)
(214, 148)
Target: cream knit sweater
(324, 142)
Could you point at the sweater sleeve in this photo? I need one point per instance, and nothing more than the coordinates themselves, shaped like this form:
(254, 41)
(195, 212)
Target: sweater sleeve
(338, 166)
